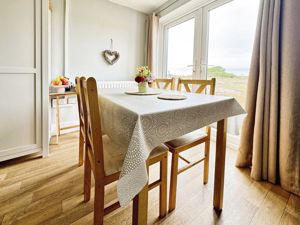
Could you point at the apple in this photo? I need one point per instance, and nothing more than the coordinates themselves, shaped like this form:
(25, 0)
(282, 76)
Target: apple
(65, 82)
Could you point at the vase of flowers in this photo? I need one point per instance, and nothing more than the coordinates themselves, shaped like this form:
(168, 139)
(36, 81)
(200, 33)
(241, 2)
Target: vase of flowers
(143, 87)
(142, 77)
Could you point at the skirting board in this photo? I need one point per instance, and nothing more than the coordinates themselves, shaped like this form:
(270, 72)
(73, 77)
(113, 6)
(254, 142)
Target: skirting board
(233, 141)
(18, 152)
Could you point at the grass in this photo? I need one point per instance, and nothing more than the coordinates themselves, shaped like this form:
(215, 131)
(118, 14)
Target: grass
(232, 86)
(228, 84)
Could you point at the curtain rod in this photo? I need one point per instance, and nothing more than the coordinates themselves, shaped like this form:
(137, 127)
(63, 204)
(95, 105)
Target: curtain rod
(165, 6)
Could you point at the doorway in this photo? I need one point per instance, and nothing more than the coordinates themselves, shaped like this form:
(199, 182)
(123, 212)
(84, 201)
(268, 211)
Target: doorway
(213, 41)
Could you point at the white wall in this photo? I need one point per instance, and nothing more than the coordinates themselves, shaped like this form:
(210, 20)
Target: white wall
(57, 37)
(91, 25)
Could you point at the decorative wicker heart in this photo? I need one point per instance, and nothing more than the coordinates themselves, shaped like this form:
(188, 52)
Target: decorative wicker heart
(111, 57)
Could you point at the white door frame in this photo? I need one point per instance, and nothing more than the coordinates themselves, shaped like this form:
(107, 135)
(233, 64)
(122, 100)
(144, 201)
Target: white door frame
(45, 78)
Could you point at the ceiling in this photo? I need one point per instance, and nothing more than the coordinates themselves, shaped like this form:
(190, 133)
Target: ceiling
(145, 6)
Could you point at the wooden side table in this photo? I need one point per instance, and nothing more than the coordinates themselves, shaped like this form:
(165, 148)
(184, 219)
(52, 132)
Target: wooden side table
(57, 96)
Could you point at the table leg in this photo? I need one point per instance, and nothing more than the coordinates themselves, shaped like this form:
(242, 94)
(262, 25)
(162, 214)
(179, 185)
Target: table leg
(140, 207)
(220, 164)
(57, 119)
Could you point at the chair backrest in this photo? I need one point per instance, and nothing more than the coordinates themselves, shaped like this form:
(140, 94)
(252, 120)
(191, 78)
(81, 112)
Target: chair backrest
(79, 102)
(202, 85)
(167, 84)
(94, 144)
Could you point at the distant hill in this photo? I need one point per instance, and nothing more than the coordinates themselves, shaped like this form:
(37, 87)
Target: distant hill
(218, 71)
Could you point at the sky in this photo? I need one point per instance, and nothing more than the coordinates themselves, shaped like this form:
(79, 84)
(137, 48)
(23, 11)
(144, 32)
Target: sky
(181, 47)
(231, 37)
(231, 34)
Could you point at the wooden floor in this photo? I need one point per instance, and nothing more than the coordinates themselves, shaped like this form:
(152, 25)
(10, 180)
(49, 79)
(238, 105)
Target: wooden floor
(49, 191)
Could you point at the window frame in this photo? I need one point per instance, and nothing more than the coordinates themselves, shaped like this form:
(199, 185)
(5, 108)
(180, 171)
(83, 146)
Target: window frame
(199, 11)
(165, 31)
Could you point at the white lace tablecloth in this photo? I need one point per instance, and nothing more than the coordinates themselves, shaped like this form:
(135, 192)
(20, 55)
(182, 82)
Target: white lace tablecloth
(140, 123)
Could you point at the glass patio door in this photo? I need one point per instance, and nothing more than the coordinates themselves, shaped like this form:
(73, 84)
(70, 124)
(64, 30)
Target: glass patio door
(227, 45)
(214, 41)
(227, 49)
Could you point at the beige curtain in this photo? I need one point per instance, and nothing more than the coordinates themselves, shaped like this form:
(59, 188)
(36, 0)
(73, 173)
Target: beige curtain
(270, 141)
(151, 42)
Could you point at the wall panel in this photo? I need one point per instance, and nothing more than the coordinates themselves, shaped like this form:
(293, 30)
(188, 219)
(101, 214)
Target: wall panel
(20, 77)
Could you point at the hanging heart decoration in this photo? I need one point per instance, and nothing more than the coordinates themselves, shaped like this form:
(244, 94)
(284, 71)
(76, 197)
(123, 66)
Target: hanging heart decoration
(111, 57)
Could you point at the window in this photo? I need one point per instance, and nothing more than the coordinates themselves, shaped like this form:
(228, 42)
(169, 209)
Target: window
(230, 46)
(214, 40)
(181, 49)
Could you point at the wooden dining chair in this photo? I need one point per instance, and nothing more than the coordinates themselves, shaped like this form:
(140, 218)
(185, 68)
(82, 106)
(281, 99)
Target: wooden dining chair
(104, 158)
(189, 140)
(167, 84)
(81, 122)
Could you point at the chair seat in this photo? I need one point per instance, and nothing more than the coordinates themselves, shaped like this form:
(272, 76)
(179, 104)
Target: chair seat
(114, 155)
(187, 139)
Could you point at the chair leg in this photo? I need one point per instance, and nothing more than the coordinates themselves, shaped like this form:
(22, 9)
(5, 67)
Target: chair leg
(163, 187)
(87, 179)
(81, 150)
(99, 204)
(206, 162)
(173, 183)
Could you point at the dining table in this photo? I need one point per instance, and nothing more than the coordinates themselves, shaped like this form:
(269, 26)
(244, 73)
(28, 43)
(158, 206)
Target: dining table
(139, 123)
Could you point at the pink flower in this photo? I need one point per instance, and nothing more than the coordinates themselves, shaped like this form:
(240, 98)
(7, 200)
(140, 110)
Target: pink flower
(143, 79)
(140, 79)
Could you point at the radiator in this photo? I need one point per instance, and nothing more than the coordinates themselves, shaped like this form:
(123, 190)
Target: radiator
(116, 84)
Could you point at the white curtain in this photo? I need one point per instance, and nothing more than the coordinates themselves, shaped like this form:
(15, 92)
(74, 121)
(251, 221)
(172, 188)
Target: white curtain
(151, 43)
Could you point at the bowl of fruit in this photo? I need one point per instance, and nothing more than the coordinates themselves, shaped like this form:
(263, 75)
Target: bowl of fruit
(60, 83)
